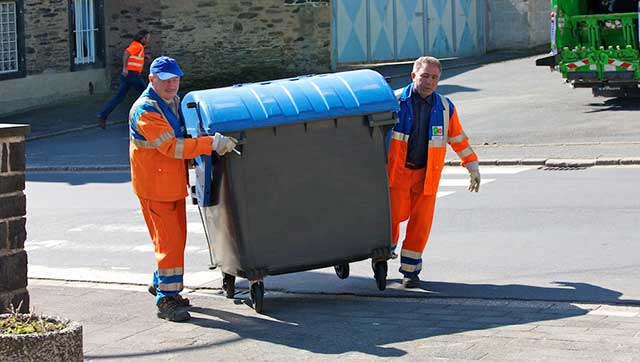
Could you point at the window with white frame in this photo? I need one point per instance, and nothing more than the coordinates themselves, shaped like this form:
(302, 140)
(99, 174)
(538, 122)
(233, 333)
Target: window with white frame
(86, 39)
(8, 37)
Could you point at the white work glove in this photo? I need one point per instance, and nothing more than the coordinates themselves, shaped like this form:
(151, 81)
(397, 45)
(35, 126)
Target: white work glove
(474, 176)
(222, 144)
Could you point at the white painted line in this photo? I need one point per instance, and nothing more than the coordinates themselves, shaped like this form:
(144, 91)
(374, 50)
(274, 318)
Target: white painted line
(70, 246)
(444, 193)
(462, 182)
(191, 280)
(487, 170)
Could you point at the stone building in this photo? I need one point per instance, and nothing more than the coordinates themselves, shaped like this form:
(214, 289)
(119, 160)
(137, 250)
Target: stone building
(52, 50)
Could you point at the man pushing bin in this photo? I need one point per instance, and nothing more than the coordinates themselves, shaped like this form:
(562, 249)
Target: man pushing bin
(417, 148)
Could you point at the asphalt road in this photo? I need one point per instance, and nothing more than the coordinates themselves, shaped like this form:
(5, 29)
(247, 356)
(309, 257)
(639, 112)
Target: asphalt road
(529, 234)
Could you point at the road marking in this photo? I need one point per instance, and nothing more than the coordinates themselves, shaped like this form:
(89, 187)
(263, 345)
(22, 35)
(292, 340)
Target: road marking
(454, 182)
(191, 280)
(488, 170)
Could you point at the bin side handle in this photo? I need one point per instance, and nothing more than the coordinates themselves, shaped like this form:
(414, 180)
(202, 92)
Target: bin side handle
(380, 122)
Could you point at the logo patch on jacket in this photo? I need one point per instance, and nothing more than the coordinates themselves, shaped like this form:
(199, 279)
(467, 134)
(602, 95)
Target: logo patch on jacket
(437, 133)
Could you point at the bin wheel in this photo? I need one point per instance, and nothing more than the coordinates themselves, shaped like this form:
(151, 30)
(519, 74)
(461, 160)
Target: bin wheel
(257, 295)
(380, 273)
(229, 285)
(342, 270)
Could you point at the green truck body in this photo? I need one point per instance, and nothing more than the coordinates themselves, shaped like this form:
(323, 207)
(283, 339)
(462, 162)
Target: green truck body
(595, 44)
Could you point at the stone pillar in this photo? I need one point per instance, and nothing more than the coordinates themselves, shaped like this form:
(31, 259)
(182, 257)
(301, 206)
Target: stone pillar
(13, 258)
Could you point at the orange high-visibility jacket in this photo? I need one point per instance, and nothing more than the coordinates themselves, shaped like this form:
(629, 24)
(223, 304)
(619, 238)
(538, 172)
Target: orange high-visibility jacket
(444, 127)
(136, 56)
(157, 148)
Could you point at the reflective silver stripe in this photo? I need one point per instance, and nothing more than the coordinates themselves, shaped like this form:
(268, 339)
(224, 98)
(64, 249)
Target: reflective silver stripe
(437, 143)
(179, 148)
(410, 268)
(135, 63)
(445, 117)
(400, 136)
(141, 143)
(162, 138)
(410, 254)
(466, 152)
(170, 287)
(458, 138)
(171, 272)
(157, 142)
(136, 57)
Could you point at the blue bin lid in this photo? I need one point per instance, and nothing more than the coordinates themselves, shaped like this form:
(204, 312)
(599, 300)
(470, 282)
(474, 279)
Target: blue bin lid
(286, 101)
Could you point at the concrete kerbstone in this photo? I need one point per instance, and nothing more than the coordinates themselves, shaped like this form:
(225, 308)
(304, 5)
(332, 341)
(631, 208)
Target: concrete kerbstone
(62, 345)
(630, 161)
(607, 161)
(570, 163)
(509, 162)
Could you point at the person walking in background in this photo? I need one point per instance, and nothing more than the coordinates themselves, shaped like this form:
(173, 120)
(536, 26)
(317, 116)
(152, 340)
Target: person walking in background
(158, 149)
(417, 148)
(132, 63)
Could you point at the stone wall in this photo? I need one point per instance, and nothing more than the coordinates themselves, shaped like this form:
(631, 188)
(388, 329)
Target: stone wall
(13, 257)
(122, 23)
(46, 29)
(517, 24)
(228, 42)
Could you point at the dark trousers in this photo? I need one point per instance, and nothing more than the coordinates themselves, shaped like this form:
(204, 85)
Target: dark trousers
(132, 80)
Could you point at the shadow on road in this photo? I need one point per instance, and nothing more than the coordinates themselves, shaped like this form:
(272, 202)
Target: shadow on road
(616, 104)
(335, 326)
(80, 178)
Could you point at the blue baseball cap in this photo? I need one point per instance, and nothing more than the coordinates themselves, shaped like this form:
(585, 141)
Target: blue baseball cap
(166, 68)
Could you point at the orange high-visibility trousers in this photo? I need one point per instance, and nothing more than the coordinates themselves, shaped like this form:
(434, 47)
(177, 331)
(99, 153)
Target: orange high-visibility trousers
(411, 203)
(167, 224)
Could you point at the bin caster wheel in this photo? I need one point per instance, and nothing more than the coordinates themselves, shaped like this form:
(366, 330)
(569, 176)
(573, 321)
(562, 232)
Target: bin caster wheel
(229, 285)
(342, 271)
(257, 295)
(380, 273)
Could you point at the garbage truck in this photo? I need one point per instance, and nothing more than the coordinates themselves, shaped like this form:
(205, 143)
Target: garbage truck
(595, 44)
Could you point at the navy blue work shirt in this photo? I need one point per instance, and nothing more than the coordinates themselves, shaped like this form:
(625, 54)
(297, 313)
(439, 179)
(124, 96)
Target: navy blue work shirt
(419, 137)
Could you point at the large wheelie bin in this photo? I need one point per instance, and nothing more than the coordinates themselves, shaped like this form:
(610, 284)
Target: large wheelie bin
(306, 187)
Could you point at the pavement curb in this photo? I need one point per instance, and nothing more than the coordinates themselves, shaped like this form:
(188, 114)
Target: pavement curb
(70, 130)
(78, 168)
(550, 162)
(555, 162)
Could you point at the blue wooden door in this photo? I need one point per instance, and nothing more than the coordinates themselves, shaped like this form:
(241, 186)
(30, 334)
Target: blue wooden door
(376, 31)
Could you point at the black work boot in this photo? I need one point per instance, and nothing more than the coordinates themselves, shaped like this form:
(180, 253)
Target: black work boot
(411, 281)
(184, 302)
(169, 309)
(102, 123)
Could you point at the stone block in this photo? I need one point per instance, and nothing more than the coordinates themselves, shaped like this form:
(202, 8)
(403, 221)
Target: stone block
(16, 233)
(4, 158)
(17, 156)
(13, 271)
(4, 231)
(16, 299)
(11, 183)
(11, 206)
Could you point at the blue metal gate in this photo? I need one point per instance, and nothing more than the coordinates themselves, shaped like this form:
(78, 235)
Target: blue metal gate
(389, 30)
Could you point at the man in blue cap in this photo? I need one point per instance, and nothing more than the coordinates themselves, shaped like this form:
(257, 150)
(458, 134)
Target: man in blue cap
(158, 150)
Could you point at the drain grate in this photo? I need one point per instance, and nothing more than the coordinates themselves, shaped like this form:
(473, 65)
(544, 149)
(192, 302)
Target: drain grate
(563, 168)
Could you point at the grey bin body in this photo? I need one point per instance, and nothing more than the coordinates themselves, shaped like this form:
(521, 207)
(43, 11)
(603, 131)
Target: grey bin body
(305, 193)
(301, 197)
